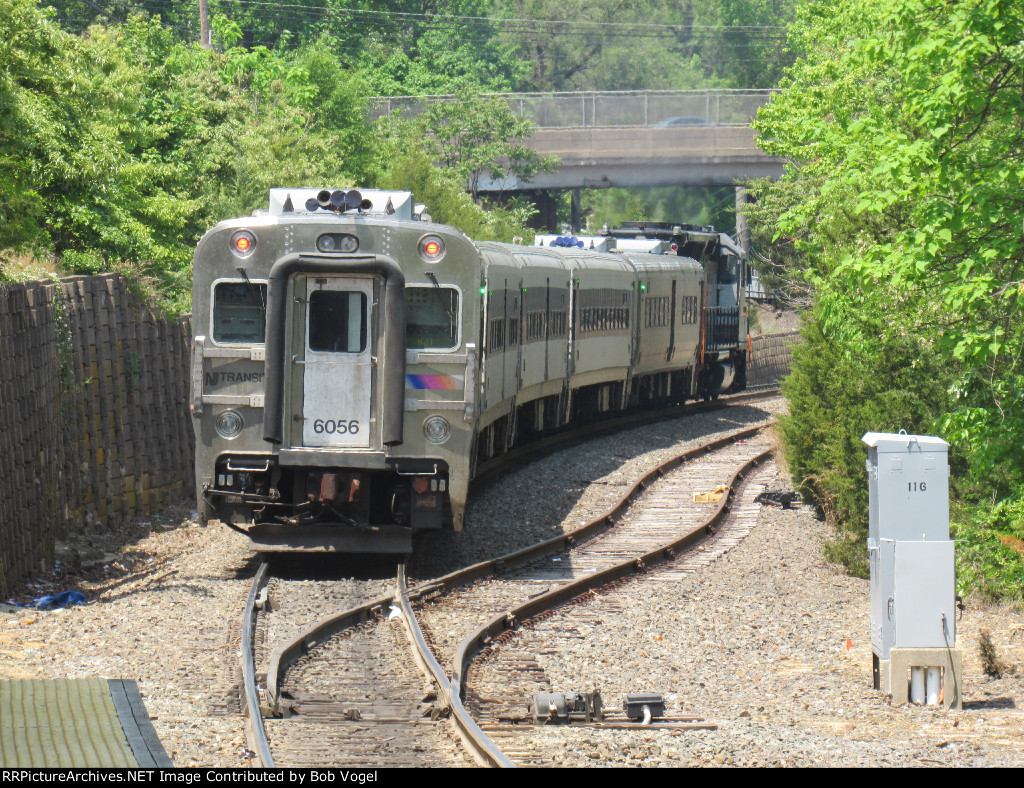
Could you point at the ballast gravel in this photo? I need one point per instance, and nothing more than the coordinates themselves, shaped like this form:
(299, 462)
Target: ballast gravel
(770, 643)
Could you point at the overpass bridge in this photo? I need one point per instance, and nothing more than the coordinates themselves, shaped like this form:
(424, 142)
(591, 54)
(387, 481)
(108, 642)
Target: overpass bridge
(631, 138)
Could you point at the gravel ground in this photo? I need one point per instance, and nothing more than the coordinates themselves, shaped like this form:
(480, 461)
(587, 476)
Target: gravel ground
(756, 644)
(165, 610)
(554, 494)
(771, 644)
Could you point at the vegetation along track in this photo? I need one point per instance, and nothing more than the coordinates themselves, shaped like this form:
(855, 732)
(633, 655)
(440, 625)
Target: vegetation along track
(373, 707)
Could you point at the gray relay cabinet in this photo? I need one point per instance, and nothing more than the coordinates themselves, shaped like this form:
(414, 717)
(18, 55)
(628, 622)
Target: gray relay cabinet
(908, 482)
(913, 596)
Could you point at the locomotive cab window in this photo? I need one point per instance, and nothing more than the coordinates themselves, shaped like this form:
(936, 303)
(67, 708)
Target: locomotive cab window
(431, 318)
(337, 321)
(239, 312)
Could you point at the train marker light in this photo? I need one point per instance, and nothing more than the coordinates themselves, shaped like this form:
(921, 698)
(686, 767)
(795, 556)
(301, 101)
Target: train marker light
(431, 248)
(243, 243)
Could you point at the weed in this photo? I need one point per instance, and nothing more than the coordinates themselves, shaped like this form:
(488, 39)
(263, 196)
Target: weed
(990, 663)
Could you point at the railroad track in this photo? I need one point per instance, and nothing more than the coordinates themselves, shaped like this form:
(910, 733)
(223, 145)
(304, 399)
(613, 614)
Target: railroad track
(506, 673)
(562, 440)
(350, 685)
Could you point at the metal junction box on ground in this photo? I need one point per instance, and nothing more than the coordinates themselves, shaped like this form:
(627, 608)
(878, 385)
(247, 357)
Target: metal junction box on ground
(908, 483)
(918, 584)
(913, 596)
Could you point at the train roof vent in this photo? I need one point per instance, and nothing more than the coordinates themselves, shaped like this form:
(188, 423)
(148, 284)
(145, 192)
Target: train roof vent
(382, 203)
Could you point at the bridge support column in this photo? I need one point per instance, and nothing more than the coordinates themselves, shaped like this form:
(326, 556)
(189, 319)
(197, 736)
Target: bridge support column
(575, 212)
(546, 218)
(742, 229)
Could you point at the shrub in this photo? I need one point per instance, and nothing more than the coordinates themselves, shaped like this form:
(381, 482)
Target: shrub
(838, 391)
(990, 553)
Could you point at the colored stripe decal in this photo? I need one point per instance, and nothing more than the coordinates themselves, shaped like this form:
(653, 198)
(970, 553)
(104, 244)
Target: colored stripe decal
(435, 382)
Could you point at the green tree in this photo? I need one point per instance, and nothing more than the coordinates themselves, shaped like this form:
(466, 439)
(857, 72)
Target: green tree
(902, 121)
(838, 392)
(473, 135)
(649, 44)
(56, 140)
(711, 205)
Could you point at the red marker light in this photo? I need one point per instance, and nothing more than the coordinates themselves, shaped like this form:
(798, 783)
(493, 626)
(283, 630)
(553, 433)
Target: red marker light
(431, 248)
(243, 243)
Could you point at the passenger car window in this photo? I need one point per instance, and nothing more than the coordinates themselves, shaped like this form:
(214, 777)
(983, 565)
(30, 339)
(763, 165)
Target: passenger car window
(239, 313)
(431, 317)
(337, 321)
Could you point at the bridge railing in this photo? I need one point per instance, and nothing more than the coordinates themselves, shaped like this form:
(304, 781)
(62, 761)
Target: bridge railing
(609, 109)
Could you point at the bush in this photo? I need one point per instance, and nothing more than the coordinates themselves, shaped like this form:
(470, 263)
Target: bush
(83, 262)
(839, 390)
(990, 555)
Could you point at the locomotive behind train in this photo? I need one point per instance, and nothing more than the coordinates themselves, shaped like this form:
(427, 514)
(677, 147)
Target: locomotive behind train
(354, 363)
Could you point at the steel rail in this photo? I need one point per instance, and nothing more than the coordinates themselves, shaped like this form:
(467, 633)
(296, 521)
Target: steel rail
(255, 732)
(288, 653)
(450, 690)
(515, 617)
(284, 656)
(576, 435)
(484, 750)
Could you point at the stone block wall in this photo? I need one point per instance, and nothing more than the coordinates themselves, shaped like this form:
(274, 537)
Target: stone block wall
(770, 358)
(94, 425)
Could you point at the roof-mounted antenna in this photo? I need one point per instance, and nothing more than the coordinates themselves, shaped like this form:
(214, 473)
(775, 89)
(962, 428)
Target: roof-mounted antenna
(288, 207)
(390, 207)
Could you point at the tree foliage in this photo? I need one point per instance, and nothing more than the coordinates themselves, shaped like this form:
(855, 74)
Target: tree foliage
(711, 205)
(473, 136)
(120, 147)
(122, 139)
(648, 44)
(836, 394)
(903, 124)
(413, 47)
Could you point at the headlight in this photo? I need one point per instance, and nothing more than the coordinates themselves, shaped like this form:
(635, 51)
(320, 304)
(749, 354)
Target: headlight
(437, 429)
(337, 242)
(229, 424)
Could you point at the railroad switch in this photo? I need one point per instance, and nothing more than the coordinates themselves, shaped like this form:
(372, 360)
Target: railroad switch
(563, 708)
(644, 706)
(785, 499)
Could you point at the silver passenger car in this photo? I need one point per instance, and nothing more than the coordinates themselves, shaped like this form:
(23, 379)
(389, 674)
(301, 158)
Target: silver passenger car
(354, 363)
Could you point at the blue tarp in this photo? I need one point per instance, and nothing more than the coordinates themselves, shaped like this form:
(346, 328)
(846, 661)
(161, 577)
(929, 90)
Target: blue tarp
(63, 599)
